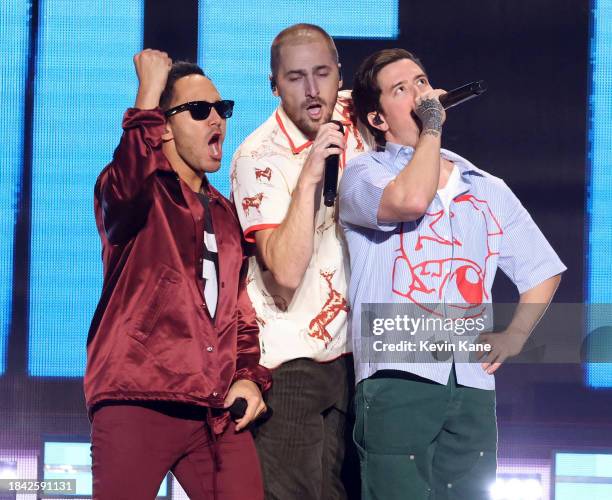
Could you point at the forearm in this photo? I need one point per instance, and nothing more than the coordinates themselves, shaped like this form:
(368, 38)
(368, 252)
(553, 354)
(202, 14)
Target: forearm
(288, 248)
(122, 186)
(530, 309)
(147, 98)
(407, 197)
(417, 183)
(532, 306)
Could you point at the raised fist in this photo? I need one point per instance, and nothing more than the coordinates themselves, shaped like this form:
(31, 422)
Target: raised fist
(152, 68)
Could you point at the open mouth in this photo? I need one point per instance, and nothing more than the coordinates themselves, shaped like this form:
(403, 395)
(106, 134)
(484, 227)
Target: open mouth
(214, 146)
(314, 111)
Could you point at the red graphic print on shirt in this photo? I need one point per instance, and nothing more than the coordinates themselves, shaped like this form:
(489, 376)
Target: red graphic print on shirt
(426, 282)
(334, 304)
(252, 202)
(263, 173)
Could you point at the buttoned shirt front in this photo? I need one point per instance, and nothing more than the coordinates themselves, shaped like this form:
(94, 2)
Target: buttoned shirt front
(152, 337)
(311, 322)
(447, 258)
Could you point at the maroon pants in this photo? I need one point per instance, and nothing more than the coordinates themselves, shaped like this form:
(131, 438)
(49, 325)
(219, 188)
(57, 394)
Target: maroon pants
(134, 447)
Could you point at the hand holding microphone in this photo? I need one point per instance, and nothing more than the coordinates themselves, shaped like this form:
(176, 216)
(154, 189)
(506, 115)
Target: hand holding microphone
(329, 141)
(430, 112)
(332, 164)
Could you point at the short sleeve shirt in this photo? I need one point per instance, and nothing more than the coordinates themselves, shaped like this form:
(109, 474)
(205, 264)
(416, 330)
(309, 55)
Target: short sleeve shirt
(448, 256)
(312, 322)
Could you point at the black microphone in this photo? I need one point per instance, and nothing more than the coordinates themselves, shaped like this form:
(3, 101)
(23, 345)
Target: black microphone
(238, 408)
(462, 94)
(330, 183)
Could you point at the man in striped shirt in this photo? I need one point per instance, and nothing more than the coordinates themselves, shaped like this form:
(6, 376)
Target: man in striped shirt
(427, 230)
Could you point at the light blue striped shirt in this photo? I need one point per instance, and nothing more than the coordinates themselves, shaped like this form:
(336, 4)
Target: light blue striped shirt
(447, 259)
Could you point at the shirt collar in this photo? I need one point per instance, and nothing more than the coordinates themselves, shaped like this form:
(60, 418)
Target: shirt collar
(400, 155)
(294, 137)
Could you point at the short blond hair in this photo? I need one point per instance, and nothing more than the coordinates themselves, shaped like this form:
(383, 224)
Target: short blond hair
(298, 33)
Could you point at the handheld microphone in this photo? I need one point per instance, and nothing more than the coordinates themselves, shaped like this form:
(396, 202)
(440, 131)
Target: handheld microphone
(330, 183)
(238, 408)
(462, 94)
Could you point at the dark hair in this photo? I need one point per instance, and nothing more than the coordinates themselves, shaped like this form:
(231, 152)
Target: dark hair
(178, 70)
(297, 31)
(366, 92)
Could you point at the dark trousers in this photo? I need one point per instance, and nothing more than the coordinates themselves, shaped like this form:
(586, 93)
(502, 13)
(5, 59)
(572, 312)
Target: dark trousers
(134, 447)
(420, 440)
(302, 446)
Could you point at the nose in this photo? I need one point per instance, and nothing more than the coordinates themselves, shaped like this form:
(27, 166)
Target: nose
(214, 117)
(312, 89)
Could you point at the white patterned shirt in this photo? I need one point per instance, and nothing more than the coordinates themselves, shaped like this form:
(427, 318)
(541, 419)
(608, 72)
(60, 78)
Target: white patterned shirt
(312, 323)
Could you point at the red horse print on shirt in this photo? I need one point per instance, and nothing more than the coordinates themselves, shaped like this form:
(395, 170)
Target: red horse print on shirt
(252, 202)
(265, 173)
(334, 304)
(426, 282)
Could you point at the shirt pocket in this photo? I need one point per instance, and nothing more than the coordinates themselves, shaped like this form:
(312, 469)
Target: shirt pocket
(155, 302)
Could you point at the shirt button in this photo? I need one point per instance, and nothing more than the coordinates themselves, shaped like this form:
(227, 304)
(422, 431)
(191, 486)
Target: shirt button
(210, 348)
(215, 394)
(203, 306)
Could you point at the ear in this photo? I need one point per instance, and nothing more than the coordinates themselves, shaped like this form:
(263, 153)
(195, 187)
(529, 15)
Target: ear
(376, 120)
(339, 75)
(167, 135)
(273, 86)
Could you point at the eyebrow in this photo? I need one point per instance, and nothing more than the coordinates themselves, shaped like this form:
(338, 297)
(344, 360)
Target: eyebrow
(303, 71)
(403, 82)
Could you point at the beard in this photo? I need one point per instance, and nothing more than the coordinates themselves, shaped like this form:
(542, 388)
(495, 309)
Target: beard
(307, 125)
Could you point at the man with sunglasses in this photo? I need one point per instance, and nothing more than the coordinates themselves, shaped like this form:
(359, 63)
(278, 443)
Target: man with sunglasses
(174, 340)
(298, 282)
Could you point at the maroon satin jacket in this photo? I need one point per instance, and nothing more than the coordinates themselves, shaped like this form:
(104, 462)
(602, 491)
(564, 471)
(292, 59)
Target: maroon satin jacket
(152, 338)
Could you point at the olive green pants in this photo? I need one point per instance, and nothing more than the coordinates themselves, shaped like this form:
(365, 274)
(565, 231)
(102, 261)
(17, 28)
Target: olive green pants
(421, 440)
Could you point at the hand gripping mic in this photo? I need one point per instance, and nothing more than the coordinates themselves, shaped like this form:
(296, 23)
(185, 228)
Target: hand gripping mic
(330, 183)
(462, 94)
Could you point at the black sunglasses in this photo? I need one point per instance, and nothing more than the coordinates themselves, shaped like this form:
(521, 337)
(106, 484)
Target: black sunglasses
(201, 109)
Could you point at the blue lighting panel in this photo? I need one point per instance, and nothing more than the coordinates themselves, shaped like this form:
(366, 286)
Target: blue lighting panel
(599, 204)
(72, 460)
(583, 475)
(85, 80)
(234, 50)
(13, 67)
